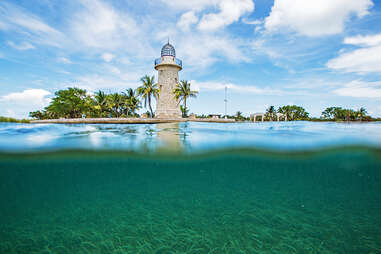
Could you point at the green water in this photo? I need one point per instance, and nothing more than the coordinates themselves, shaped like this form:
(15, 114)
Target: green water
(222, 202)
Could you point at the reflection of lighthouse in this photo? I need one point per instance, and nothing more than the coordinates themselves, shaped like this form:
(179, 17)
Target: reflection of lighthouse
(168, 67)
(169, 136)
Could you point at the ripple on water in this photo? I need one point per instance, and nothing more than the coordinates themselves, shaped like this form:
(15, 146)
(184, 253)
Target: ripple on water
(189, 136)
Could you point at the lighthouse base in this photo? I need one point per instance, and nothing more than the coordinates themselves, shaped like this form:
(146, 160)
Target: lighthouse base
(168, 113)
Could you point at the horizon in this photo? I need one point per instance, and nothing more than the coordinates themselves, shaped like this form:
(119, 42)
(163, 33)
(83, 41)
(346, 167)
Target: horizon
(283, 52)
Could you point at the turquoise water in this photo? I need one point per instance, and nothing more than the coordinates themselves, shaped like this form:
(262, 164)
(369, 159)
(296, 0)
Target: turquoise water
(191, 188)
(188, 137)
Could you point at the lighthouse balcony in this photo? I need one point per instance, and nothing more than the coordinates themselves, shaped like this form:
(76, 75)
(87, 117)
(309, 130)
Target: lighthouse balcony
(164, 60)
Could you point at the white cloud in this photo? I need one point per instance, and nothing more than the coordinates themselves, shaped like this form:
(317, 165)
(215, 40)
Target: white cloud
(125, 60)
(21, 46)
(190, 5)
(90, 25)
(252, 22)
(230, 11)
(29, 25)
(360, 89)
(64, 60)
(107, 57)
(315, 18)
(29, 95)
(97, 28)
(216, 86)
(19, 104)
(3, 26)
(200, 51)
(20, 18)
(63, 72)
(186, 20)
(362, 60)
(95, 82)
(133, 77)
(370, 40)
(99, 25)
(115, 70)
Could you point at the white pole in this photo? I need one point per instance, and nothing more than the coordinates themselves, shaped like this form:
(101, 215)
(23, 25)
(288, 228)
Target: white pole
(226, 102)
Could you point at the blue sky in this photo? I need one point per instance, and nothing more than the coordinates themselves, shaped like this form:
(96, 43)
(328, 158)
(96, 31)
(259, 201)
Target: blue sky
(311, 53)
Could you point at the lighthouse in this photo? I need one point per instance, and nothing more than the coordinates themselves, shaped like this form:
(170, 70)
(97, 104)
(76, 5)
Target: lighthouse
(168, 67)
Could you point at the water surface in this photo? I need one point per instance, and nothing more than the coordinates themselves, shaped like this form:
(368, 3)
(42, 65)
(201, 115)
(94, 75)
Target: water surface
(188, 137)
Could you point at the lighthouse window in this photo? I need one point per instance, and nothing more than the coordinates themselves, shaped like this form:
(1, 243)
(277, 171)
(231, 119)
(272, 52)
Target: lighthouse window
(168, 50)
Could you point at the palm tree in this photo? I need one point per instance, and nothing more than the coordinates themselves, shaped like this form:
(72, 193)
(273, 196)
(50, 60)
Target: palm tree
(147, 90)
(183, 92)
(239, 116)
(130, 92)
(132, 103)
(101, 101)
(361, 113)
(328, 113)
(183, 110)
(38, 114)
(270, 112)
(286, 110)
(116, 101)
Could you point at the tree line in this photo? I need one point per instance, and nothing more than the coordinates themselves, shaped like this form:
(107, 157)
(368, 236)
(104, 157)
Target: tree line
(343, 114)
(298, 113)
(12, 120)
(76, 103)
(293, 113)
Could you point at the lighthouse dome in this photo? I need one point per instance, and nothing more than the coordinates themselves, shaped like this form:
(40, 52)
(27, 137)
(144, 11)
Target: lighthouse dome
(168, 50)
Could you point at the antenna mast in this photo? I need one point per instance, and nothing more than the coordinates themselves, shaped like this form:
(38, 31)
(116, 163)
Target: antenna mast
(226, 102)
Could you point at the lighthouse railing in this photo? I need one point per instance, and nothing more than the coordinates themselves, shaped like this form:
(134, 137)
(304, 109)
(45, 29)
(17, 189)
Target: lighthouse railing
(160, 60)
(179, 62)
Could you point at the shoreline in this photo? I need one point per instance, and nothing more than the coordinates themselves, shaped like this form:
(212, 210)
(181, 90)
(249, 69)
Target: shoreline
(129, 120)
(151, 120)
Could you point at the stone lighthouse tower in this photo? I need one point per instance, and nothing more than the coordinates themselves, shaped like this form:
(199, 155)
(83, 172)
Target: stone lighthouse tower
(168, 67)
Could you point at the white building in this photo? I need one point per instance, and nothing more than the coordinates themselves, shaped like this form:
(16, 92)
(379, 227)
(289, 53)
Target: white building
(168, 67)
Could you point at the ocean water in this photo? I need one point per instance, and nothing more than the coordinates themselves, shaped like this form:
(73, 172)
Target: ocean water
(294, 187)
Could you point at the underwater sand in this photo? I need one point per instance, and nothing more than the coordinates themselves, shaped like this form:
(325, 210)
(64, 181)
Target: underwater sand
(233, 201)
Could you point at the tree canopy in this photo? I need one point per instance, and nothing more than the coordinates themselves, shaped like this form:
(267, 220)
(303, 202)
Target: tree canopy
(294, 112)
(148, 90)
(182, 93)
(343, 114)
(76, 103)
(70, 103)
